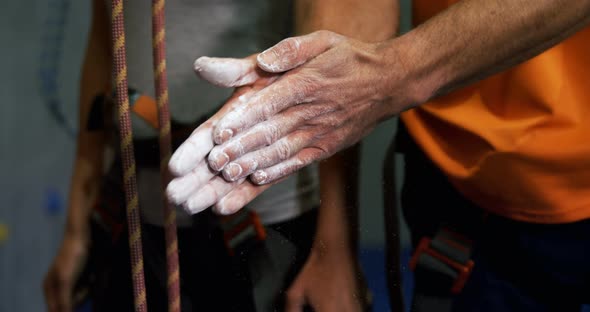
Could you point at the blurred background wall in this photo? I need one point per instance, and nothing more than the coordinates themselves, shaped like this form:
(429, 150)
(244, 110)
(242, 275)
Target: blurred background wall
(42, 43)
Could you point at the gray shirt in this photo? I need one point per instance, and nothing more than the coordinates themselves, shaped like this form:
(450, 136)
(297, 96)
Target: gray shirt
(226, 28)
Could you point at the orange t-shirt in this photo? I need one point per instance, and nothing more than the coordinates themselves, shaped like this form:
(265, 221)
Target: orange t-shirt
(518, 143)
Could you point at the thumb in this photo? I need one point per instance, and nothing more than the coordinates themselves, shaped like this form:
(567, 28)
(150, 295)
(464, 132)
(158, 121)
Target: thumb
(295, 298)
(292, 52)
(227, 72)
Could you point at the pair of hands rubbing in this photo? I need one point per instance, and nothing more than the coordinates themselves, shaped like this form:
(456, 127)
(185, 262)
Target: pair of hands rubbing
(298, 102)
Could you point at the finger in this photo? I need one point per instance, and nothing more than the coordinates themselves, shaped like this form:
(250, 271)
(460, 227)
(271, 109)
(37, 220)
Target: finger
(303, 158)
(181, 188)
(292, 52)
(276, 153)
(209, 194)
(193, 151)
(287, 91)
(262, 134)
(295, 299)
(228, 72)
(239, 197)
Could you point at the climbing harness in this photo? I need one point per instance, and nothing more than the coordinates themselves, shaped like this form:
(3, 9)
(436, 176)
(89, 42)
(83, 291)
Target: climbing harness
(444, 231)
(241, 230)
(446, 257)
(127, 153)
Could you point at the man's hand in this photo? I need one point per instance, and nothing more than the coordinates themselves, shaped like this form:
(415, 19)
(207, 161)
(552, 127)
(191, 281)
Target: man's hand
(330, 280)
(332, 96)
(58, 285)
(196, 186)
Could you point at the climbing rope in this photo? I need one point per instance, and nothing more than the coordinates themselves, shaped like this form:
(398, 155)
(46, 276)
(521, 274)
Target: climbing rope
(129, 173)
(129, 169)
(159, 59)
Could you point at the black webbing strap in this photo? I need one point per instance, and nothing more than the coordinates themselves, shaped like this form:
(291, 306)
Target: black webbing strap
(392, 231)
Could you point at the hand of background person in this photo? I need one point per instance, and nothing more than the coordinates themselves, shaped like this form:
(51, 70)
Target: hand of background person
(59, 282)
(331, 280)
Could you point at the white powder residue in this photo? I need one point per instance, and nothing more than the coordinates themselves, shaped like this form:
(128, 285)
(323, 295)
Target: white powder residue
(209, 194)
(226, 72)
(232, 171)
(191, 152)
(180, 189)
(218, 160)
(259, 177)
(283, 56)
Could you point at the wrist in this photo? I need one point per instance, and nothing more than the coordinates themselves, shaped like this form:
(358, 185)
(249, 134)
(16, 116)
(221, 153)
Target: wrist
(408, 79)
(333, 245)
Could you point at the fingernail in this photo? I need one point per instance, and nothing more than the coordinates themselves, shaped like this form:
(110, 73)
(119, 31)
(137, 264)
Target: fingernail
(232, 171)
(223, 211)
(222, 136)
(219, 161)
(178, 190)
(267, 58)
(200, 202)
(172, 192)
(259, 177)
(186, 208)
(198, 64)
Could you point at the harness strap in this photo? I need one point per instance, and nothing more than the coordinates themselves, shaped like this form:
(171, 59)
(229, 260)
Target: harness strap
(392, 231)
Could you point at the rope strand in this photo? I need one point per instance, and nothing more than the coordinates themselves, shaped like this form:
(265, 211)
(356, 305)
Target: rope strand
(129, 170)
(161, 87)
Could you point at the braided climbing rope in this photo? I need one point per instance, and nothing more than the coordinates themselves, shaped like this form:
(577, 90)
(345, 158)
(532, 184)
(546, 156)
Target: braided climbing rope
(129, 173)
(159, 58)
(129, 169)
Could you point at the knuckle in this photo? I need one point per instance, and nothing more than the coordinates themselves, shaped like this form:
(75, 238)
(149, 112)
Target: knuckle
(304, 88)
(284, 150)
(323, 33)
(329, 36)
(289, 47)
(329, 122)
(267, 111)
(308, 113)
(272, 133)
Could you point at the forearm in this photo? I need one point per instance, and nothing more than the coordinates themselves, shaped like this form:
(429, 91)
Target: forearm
(374, 20)
(95, 79)
(338, 215)
(337, 220)
(84, 190)
(477, 38)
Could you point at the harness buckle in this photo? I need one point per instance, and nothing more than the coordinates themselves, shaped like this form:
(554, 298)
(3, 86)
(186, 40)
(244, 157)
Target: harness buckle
(242, 228)
(447, 255)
